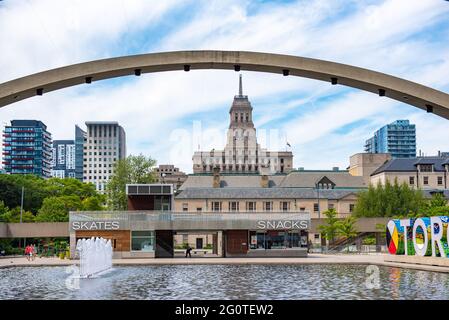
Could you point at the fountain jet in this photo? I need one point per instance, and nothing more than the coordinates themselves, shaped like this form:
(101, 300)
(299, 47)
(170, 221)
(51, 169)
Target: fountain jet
(95, 256)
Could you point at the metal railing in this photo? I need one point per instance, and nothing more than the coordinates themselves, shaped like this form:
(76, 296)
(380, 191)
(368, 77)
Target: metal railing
(191, 216)
(352, 249)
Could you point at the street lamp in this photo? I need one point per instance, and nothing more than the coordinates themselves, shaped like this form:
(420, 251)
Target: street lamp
(21, 212)
(21, 205)
(317, 186)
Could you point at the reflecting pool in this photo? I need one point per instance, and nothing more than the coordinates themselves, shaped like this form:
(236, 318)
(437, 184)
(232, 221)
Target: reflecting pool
(226, 282)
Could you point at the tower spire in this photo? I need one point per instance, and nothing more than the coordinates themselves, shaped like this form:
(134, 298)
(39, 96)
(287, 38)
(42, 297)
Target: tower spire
(240, 86)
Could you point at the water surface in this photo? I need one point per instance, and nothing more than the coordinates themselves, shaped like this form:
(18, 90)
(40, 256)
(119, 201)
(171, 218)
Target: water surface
(225, 282)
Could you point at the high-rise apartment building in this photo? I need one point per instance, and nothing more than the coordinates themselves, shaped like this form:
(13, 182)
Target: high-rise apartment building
(27, 148)
(63, 159)
(105, 143)
(397, 138)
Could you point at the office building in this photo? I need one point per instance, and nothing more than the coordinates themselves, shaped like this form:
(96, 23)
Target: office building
(63, 159)
(105, 143)
(80, 137)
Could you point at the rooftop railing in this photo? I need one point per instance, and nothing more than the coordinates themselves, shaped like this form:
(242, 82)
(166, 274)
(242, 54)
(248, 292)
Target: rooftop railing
(191, 216)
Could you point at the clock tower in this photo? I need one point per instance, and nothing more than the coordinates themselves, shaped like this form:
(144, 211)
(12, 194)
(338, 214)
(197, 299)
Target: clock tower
(242, 153)
(241, 149)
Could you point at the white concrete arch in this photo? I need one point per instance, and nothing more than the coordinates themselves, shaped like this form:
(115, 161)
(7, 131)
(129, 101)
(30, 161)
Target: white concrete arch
(382, 84)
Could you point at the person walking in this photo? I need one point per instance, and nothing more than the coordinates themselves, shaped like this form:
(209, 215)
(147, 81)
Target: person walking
(27, 252)
(33, 252)
(189, 249)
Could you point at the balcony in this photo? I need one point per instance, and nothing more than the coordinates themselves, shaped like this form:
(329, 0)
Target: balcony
(22, 131)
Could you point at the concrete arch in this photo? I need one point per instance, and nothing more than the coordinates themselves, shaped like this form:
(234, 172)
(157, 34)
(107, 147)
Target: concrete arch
(399, 89)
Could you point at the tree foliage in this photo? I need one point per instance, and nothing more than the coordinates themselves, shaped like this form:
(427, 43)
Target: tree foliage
(56, 209)
(132, 169)
(70, 186)
(389, 200)
(11, 191)
(330, 230)
(346, 227)
(13, 215)
(45, 199)
(437, 206)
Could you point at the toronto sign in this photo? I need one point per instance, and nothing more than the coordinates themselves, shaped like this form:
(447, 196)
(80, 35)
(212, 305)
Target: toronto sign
(419, 236)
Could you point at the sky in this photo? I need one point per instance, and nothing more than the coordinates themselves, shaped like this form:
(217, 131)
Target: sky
(169, 115)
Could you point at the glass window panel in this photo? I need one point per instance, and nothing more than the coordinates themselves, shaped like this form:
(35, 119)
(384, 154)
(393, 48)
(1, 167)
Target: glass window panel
(142, 241)
(293, 239)
(257, 240)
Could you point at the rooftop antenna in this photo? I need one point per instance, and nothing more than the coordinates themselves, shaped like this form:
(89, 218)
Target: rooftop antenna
(240, 85)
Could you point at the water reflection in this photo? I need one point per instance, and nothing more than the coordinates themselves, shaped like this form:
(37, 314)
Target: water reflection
(226, 282)
(395, 278)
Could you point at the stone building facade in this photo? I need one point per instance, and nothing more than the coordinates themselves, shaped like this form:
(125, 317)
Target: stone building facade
(242, 153)
(312, 191)
(168, 173)
(427, 173)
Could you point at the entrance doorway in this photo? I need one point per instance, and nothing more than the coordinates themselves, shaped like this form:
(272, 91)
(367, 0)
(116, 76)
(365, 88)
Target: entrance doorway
(164, 244)
(204, 244)
(199, 243)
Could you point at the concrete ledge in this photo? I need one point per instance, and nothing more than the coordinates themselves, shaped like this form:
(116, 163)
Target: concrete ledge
(135, 255)
(281, 253)
(34, 230)
(429, 261)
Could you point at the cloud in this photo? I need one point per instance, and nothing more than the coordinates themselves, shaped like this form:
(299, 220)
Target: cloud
(324, 123)
(38, 35)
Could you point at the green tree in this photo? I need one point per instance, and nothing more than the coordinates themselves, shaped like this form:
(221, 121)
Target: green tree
(94, 203)
(437, 200)
(3, 208)
(68, 187)
(68, 194)
(132, 169)
(389, 200)
(346, 228)
(437, 206)
(330, 230)
(56, 209)
(13, 215)
(11, 191)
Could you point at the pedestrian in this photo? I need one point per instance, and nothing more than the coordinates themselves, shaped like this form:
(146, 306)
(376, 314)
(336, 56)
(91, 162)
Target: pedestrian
(188, 251)
(309, 246)
(33, 252)
(27, 252)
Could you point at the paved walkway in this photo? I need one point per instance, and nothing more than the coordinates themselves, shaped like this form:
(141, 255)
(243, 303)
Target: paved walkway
(314, 258)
